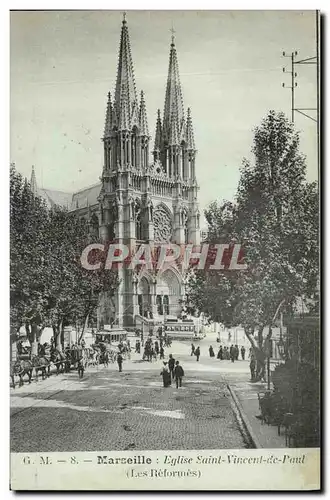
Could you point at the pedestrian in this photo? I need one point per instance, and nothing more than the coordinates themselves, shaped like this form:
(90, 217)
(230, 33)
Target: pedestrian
(81, 368)
(197, 353)
(171, 364)
(156, 348)
(120, 362)
(211, 352)
(232, 353)
(192, 350)
(161, 352)
(243, 352)
(236, 352)
(220, 353)
(179, 373)
(252, 367)
(166, 375)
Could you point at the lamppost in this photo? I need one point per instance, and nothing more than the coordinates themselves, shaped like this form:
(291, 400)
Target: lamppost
(163, 308)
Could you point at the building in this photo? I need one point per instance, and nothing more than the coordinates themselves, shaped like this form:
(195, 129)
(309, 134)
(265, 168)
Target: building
(139, 200)
(52, 197)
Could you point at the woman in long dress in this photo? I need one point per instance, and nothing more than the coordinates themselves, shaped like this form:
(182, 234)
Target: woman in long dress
(166, 375)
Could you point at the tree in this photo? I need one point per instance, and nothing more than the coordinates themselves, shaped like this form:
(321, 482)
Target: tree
(28, 219)
(275, 219)
(49, 286)
(73, 292)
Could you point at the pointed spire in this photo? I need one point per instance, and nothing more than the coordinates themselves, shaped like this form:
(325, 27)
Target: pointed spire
(158, 134)
(190, 141)
(33, 182)
(173, 98)
(143, 122)
(125, 83)
(108, 118)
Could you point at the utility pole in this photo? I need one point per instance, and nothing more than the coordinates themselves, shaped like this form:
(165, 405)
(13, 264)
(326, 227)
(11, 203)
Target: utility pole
(293, 81)
(315, 60)
(294, 84)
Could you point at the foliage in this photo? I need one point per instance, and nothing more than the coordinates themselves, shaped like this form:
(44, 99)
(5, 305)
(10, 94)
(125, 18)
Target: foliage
(49, 286)
(275, 219)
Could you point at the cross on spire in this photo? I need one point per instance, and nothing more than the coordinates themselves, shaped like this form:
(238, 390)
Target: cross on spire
(172, 30)
(124, 17)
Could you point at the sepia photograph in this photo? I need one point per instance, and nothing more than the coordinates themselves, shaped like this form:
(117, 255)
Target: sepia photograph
(164, 248)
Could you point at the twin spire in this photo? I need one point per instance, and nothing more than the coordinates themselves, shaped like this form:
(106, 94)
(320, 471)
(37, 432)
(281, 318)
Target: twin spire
(33, 182)
(125, 111)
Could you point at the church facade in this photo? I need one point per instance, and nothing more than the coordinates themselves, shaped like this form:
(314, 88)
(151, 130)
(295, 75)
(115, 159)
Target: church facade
(147, 194)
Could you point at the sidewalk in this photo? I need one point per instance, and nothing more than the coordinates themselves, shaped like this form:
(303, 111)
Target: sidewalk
(245, 395)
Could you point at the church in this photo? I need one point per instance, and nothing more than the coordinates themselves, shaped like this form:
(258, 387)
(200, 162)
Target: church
(139, 200)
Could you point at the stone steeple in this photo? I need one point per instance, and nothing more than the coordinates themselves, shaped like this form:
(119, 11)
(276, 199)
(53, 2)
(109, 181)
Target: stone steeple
(125, 92)
(158, 138)
(33, 182)
(173, 108)
(126, 137)
(108, 118)
(174, 141)
(143, 122)
(189, 133)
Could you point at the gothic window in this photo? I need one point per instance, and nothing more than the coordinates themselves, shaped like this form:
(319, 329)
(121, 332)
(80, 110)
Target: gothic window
(112, 232)
(159, 305)
(140, 302)
(149, 210)
(185, 225)
(114, 212)
(162, 224)
(138, 221)
(134, 146)
(166, 305)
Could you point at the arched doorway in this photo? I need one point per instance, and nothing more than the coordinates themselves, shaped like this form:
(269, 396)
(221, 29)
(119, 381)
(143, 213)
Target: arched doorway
(144, 298)
(168, 293)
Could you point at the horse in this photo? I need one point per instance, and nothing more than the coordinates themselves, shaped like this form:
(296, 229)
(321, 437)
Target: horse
(21, 367)
(147, 352)
(41, 363)
(104, 358)
(93, 357)
(112, 356)
(168, 342)
(58, 359)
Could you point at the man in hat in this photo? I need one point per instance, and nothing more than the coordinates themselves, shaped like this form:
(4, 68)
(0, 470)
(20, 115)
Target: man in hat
(179, 373)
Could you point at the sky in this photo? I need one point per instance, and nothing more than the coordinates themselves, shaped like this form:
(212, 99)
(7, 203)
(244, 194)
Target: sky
(63, 63)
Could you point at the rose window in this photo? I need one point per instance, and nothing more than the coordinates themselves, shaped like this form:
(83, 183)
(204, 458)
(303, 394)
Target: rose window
(162, 225)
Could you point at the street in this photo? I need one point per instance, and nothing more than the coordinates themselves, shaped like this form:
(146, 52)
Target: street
(108, 410)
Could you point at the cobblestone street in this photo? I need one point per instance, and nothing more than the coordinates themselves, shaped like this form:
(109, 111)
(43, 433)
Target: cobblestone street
(108, 410)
